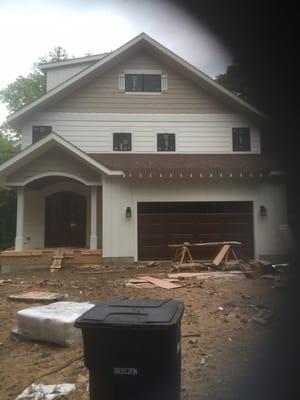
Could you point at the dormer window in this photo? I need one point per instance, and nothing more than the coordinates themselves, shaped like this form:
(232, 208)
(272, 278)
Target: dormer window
(143, 83)
(122, 141)
(241, 139)
(39, 132)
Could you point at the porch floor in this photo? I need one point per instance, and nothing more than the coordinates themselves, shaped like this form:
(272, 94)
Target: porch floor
(12, 261)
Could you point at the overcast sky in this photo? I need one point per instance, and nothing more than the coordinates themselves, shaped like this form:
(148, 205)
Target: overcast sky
(30, 29)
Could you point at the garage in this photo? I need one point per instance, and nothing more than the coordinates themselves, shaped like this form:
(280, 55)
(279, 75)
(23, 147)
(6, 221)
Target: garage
(163, 223)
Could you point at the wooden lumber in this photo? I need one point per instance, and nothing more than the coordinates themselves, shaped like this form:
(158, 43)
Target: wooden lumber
(36, 296)
(221, 254)
(57, 260)
(189, 274)
(161, 282)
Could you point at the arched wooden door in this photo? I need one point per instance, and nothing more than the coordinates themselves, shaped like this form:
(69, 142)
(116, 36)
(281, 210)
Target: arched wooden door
(65, 220)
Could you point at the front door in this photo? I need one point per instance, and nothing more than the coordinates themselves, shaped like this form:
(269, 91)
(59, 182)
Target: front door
(65, 224)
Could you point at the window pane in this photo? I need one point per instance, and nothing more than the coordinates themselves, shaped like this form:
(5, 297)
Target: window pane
(152, 83)
(122, 141)
(133, 83)
(39, 132)
(142, 83)
(241, 139)
(166, 142)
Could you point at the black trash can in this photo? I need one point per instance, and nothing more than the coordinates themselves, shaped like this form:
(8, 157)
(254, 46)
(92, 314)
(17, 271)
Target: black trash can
(132, 349)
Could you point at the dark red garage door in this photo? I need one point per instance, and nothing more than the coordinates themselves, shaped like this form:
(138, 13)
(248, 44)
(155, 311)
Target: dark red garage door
(160, 224)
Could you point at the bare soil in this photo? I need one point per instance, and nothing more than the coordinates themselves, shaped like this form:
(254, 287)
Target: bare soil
(219, 362)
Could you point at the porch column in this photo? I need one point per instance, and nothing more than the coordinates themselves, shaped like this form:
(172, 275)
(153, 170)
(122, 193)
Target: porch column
(19, 241)
(94, 237)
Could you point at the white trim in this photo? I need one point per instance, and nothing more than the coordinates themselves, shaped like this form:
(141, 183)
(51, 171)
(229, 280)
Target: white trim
(19, 239)
(142, 93)
(55, 173)
(53, 137)
(64, 116)
(164, 83)
(72, 61)
(121, 81)
(90, 72)
(142, 71)
(93, 222)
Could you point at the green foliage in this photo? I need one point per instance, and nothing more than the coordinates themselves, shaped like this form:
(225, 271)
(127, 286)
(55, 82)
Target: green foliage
(23, 91)
(236, 81)
(7, 199)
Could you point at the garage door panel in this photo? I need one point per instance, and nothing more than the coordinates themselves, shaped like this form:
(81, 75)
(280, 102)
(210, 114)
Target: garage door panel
(159, 227)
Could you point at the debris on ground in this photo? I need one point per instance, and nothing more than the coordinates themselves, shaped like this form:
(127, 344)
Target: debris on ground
(36, 297)
(207, 275)
(3, 281)
(148, 282)
(272, 277)
(51, 323)
(46, 392)
(260, 321)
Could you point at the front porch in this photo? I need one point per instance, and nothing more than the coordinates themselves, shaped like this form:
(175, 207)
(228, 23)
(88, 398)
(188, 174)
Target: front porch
(56, 212)
(15, 261)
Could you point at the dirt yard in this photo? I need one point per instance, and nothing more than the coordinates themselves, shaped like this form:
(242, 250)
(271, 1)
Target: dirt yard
(218, 362)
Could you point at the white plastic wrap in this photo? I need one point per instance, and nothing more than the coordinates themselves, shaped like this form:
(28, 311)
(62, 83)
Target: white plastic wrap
(52, 323)
(46, 392)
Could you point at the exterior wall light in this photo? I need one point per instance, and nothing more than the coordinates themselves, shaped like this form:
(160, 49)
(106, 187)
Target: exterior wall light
(128, 212)
(263, 211)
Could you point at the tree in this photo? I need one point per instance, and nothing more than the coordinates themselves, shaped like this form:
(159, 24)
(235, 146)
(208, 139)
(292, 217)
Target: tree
(23, 91)
(235, 81)
(26, 89)
(58, 54)
(7, 199)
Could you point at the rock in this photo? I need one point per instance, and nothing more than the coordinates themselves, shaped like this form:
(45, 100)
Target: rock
(220, 308)
(231, 316)
(35, 347)
(82, 379)
(259, 321)
(46, 354)
(152, 264)
(246, 297)
(203, 361)
(193, 341)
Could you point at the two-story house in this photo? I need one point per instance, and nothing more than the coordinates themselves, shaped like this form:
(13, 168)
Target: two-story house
(136, 149)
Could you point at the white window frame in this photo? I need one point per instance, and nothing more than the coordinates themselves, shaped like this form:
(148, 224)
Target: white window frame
(164, 80)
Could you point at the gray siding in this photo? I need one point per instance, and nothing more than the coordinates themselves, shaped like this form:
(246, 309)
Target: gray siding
(103, 95)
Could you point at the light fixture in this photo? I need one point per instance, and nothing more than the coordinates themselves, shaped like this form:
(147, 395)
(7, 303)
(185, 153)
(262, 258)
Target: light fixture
(128, 212)
(263, 211)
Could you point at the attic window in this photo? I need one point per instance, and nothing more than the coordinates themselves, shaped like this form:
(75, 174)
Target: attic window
(122, 141)
(143, 83)
(40, 131)
(241, 139)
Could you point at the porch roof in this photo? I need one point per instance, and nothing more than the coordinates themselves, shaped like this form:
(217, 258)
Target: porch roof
(195, 164)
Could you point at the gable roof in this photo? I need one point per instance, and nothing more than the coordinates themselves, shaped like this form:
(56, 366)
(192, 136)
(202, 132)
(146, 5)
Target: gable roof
(105, 63)
(43, 145)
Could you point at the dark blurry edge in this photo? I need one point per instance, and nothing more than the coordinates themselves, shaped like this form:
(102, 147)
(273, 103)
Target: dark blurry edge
(263, 36)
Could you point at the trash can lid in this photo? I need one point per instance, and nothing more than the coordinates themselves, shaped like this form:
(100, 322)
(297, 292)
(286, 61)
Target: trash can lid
(138, 312)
